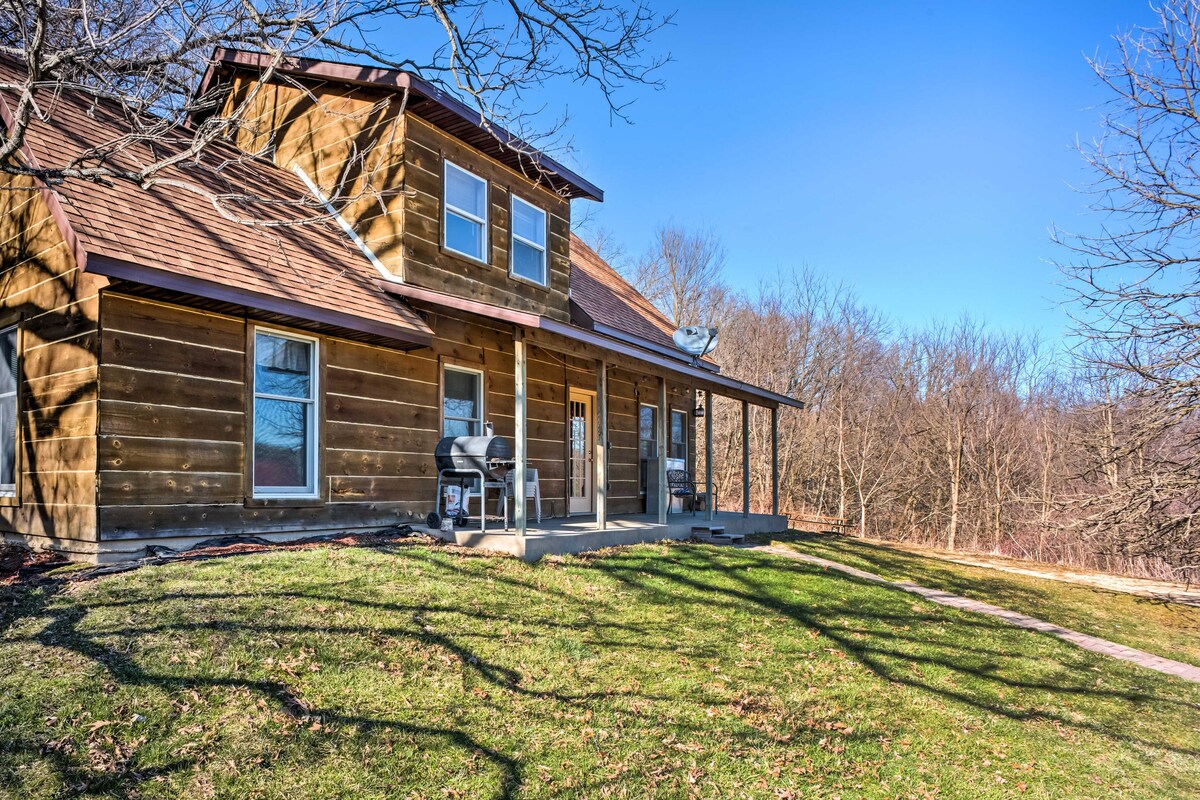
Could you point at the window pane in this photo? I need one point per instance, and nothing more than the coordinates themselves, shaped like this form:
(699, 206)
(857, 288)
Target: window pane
(8, 361)
(281, 444)
(8, 439)
(528, 222)
(460, 403)
(527, 262)
(647, 431)
(678, 434)
(466, 192)
(458, 427)
(464, 236)
(282, 366)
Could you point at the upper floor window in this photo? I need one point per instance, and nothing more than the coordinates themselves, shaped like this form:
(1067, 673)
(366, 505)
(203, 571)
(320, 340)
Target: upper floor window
(465, 218)
(8, 412)
(285, 415)
(528, 257)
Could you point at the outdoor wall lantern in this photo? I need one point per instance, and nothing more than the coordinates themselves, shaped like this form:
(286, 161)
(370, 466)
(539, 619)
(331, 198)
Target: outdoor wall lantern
(698, 411)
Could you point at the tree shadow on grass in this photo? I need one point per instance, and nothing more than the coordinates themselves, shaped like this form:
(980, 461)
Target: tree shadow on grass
(978, 658)
(1023, 593)
(691, 581)
(63, 630)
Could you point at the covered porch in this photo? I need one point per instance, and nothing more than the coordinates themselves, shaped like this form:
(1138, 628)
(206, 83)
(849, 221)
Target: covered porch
(584, 399)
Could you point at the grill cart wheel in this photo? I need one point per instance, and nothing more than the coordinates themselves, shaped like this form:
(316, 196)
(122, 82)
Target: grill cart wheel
(433, 520)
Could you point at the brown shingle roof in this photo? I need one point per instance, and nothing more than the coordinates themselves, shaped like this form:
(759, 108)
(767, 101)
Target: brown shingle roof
(610, 300)
(178, 234)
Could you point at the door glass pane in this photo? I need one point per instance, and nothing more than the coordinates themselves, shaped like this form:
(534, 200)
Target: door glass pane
(528, 262)
(281, 443)
(464, 235)
(282, 366)
(466, 192)
(578, 449)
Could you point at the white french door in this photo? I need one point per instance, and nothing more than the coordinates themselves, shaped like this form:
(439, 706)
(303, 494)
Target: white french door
(581, 474)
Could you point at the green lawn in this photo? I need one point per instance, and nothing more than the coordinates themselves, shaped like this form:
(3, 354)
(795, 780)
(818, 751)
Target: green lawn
(665, 671)
(1167, 629)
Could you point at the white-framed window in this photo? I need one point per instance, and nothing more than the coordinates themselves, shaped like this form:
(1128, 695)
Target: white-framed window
(527, 256)
(285, 415)
(465, 213)
(462, 401)
(647, 441)
(9, 381)
(679, 434)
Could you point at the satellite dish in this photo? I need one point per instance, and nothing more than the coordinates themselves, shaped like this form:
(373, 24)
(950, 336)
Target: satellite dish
(695, 340)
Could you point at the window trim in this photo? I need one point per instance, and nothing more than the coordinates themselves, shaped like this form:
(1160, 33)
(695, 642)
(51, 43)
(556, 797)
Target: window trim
(513, 237)
(313, 457)
(481, 375)
(13, 497)
(448, 208)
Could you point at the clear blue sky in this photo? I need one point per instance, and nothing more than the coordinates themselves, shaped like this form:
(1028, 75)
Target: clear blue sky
(919, 152)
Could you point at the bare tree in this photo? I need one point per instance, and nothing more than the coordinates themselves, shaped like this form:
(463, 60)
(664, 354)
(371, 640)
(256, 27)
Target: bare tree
(1137, 284)
(681, 273)
(146, 57)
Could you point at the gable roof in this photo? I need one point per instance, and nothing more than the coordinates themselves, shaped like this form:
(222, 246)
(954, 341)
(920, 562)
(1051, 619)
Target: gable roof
(174, 238)
(613, 307)
(426, 101)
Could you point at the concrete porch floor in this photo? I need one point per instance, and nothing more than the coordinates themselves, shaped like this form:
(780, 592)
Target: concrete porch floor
(563, 535)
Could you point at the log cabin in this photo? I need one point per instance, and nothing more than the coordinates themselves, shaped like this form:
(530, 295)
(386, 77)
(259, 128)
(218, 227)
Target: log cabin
(171, 374)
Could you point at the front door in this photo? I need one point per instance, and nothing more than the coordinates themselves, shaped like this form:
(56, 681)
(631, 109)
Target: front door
(580, 438)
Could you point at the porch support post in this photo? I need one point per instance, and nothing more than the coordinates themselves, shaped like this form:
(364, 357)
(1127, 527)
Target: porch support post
(601, 445)
(745, 459)
(775, 460)
(709, 500)
(663, 496)
(519, 393)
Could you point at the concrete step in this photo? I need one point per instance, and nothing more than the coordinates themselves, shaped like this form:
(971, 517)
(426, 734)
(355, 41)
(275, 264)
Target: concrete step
(715, 534)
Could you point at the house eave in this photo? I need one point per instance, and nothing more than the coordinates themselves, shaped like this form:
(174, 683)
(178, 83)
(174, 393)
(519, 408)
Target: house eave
(703, 377)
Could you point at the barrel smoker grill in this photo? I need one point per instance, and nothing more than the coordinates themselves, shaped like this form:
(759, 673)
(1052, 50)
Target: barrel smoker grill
(463, 459)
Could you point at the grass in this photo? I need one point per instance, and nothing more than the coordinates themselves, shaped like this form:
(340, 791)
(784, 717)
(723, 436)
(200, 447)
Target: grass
(657, 671)
(1171, 630)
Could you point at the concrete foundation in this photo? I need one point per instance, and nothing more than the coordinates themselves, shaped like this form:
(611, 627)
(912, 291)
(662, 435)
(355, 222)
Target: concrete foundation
(579, 534)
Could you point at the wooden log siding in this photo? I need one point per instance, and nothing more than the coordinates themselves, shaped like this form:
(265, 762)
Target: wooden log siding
(58, 308)
(322, 128)
(427, 264)
(172, 441)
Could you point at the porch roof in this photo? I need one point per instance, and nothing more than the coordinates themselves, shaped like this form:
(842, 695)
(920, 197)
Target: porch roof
(701, 377)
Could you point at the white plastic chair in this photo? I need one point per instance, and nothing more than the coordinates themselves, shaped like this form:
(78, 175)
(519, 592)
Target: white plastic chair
(532, 489)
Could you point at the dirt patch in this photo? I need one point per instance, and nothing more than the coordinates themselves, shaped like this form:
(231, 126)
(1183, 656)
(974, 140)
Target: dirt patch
(18, 563)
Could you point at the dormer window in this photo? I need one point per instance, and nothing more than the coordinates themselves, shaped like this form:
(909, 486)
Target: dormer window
(465, 215)
(528, 251)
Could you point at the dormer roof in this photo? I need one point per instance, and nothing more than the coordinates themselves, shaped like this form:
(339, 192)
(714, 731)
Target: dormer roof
(425, 100)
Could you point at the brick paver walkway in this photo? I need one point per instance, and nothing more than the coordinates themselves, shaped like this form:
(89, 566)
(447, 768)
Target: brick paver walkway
(1093, 643)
